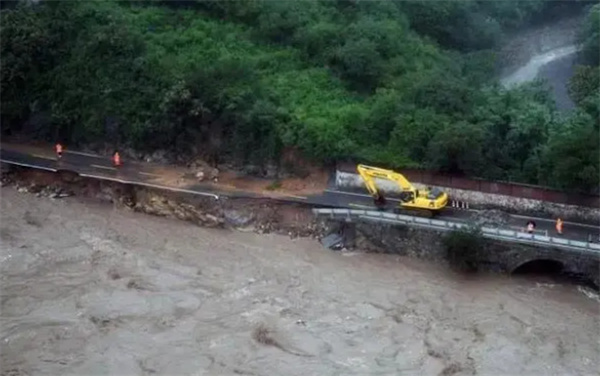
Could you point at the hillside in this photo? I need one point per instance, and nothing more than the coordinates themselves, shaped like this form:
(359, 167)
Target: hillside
(399, 84)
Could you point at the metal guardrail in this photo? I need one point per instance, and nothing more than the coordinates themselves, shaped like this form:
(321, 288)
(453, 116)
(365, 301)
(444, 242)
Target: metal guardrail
(437, 224)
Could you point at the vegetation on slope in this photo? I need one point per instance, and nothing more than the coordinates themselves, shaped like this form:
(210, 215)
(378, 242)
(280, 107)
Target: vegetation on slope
(400, 84)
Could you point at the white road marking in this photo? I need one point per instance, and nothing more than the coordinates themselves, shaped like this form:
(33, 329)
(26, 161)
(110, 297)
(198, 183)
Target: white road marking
(43, 156)
(294, 196)
(147, 173)
(28, 165)
(358, 194)
(82, 153)
(279, 195)
(104, 167)
(361, 206)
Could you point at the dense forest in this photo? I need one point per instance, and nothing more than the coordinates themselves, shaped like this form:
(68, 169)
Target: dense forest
(397, 83)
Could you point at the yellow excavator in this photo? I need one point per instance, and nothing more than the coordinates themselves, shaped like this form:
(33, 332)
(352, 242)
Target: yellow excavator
(426, 202)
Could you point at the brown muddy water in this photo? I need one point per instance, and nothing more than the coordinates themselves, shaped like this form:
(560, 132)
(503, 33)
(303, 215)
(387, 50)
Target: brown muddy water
(89, 289)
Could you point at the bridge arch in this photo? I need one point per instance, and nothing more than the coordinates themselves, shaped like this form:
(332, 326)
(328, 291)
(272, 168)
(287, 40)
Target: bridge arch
(538, 266)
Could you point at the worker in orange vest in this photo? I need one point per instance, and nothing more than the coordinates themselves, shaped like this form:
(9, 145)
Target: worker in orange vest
(559, 226)
(117, 159)
(59, 150)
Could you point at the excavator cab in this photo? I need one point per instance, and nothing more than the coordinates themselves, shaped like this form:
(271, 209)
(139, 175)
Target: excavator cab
(434, 194)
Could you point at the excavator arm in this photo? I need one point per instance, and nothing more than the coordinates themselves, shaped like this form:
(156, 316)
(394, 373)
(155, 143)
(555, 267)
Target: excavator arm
(369, 174)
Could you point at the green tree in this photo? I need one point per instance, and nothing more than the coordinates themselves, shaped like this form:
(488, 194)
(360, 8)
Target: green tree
(319, 40)
(584, 83)
(359, 62)
(30, 46)
(590, 36)
(570, 160)
(414, 130)
(387, 83)
(463, 248)
(457, 149)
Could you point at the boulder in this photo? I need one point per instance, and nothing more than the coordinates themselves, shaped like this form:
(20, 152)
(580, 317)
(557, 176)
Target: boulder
(237, 218)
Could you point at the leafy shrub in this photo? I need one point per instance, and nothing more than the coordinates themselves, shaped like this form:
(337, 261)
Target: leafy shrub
(463, 247)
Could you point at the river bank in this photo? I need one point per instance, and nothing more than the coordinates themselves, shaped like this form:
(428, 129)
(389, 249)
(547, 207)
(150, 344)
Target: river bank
(266, 214)
(88, 288)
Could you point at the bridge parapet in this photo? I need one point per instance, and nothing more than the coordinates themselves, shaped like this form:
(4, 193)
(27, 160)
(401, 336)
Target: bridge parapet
(350, 215)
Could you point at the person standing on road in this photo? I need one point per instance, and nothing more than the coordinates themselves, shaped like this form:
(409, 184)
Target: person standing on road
(59, 150)
(117, 159)
(559, 226)
(530, 227)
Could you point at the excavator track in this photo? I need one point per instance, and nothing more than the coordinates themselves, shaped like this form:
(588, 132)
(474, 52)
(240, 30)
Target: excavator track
(381, 204)
(415, 212)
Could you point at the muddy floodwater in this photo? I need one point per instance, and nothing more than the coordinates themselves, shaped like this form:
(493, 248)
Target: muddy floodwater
(89, 289)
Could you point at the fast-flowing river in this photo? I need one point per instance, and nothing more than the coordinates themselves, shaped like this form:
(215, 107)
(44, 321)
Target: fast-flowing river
(87, 290)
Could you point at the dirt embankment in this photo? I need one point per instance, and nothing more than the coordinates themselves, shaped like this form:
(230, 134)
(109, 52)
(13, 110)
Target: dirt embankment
(245, 214)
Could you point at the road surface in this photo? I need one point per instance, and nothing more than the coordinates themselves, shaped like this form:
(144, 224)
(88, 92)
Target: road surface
(100, 167)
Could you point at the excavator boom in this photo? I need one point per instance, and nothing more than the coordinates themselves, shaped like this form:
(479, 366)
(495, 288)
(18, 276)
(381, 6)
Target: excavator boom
(368, 173)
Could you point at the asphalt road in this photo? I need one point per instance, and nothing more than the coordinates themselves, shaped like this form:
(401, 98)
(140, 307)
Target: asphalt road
(101, 167)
